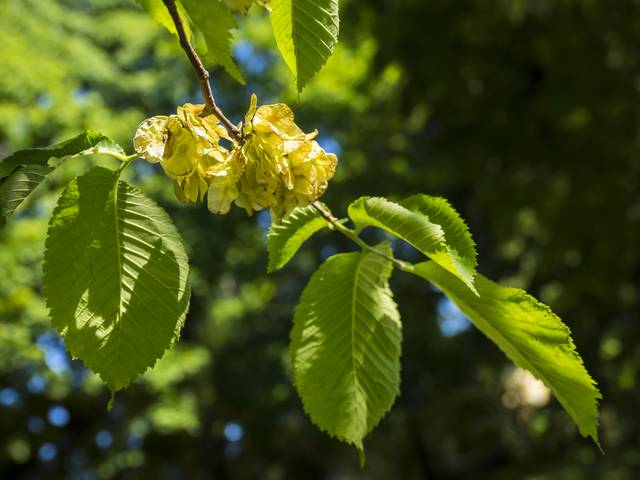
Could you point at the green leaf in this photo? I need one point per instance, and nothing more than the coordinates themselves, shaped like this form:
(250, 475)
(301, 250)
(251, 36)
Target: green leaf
(460, 256)
(160, 14)
(417, 229)
(286, 238)
(215, 20)
(115, 276)
(17, 186)
(345, 345)
(306, 33)
(23, 171)
(531, 335)
(74, 146)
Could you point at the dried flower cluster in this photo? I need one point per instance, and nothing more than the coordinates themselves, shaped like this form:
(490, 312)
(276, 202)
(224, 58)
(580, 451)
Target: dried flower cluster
(276, 166)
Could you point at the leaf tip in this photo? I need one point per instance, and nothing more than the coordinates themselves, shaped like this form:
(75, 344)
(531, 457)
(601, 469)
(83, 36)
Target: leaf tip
(362, 457)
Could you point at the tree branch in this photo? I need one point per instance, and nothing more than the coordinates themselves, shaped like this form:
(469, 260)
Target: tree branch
(201, 72)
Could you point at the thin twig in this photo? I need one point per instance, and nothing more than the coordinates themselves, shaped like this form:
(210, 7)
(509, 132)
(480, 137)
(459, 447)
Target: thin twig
(337, 225)
(201, 72)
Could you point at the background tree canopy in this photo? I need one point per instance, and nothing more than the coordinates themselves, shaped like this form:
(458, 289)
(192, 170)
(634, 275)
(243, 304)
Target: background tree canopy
(525, 114)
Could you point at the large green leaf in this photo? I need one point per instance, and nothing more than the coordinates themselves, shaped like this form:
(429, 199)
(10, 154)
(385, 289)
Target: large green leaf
(442, 242)
(306, 33)
(24, 170)
(215, 20)
(115, 276)
(345, 345)
(287, 237)
(529, 333)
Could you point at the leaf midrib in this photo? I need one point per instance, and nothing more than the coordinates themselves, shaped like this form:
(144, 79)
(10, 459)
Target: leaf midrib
(515, 351)
(120, 267)
(353, 329)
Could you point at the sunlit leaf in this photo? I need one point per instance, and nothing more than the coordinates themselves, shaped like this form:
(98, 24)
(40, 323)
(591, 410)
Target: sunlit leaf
(345, 345)
(160, 14)
(215, 20)
(287, 237)
(306, 33)
(460, 256)
(531, 335)
(421, 231)
(24, 170)
(115, 277)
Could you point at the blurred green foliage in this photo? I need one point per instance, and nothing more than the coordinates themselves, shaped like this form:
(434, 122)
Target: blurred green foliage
(524, 113)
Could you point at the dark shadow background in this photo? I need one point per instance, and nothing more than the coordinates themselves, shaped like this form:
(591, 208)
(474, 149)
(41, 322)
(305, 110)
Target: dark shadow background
(524, 113)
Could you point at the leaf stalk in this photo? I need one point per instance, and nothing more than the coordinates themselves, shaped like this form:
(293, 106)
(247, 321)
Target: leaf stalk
(353, 235)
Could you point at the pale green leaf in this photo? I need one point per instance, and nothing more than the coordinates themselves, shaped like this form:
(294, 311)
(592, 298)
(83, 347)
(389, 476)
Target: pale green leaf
(345, 345)
(115, 277)
(416, 228)
(215, 20)
(460, 256)
(306, 33)
(287, 237)
(531, 335)
(24, 170)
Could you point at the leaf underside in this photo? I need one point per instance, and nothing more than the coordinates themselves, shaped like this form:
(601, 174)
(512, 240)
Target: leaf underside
(286, 238)
(416, 228)
(115, 277)
(531, 335)
(306, 33)
(345, 345)
(23, 171)
(17, 186)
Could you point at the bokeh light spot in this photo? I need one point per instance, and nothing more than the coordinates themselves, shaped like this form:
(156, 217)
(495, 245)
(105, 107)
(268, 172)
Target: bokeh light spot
(233, 432)
(58, 416)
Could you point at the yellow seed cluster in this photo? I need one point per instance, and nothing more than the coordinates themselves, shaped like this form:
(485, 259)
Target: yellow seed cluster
(186, 145)
(277, 166)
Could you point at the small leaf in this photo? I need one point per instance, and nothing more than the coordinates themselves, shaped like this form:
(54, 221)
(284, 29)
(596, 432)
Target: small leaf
(17, 186)
(215, 20)
(417, 229)
(286, 238)
(345, 345)
(306, 33)
(161, 15)
(531, 335)
(23, 171)
(74, 146)
(460, 255)
(115, 276)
